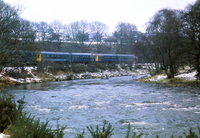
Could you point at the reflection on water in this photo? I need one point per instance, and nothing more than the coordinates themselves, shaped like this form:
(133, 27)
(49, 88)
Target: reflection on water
(150, 109)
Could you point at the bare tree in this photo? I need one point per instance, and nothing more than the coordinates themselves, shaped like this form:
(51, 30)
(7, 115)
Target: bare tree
(9, 21)
(98, 31)
(83, 28)
(42, 30)
(72, 30)
(26, 32)
(126, 35)
(165, 32)
(192, 31)
(56, 32)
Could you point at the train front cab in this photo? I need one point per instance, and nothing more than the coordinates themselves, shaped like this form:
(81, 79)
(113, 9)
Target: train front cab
(105, 58)
(39, 57)
(96, 58)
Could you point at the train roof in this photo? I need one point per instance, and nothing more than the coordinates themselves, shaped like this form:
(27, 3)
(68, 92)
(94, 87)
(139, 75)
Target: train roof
(67, 53)
(99, 54)
(81, 53)
(124, 55)
(55, 53)
(113, 54)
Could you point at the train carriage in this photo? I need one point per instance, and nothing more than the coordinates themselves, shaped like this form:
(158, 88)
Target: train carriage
(54, 56)
(82, 57)
(126, 58)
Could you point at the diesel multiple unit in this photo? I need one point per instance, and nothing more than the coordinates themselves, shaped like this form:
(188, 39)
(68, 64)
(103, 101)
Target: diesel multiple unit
(83, 57)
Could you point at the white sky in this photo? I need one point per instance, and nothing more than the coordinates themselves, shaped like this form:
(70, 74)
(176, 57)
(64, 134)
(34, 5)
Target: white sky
(109, 12)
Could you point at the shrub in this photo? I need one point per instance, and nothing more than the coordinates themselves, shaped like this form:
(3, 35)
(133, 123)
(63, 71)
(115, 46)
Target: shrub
(8, 109)
(55, 67)
(16, 123)
(138, 67)
(5, 81)
(101, 66)
(78, 68)
(134, 134)
(81, 135)
(24, 127)
(111, 66)
(92, 68)
(105, 132)
(192, 134)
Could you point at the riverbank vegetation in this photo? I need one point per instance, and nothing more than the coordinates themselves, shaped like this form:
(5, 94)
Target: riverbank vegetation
(18, 124)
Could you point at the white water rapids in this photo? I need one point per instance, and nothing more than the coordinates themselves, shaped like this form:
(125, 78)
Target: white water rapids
(150, 109)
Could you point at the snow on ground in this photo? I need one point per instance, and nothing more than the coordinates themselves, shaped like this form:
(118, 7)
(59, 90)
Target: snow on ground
(186, 76)
(21, 80)
(4, 136)
(158, 77)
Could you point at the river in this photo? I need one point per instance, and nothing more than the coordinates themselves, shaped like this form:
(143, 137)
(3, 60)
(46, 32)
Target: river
(150, 109)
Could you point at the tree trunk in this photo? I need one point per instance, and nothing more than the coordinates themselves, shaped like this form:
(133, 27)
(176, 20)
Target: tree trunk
(197, 60)
(198, 67)
(171, 68)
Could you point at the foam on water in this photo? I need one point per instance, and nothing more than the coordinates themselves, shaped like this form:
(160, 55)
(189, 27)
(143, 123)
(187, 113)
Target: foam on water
(38, 107)
(102, 103)
(73, 107)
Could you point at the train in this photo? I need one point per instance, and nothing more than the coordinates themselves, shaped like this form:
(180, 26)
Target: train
(45, 56)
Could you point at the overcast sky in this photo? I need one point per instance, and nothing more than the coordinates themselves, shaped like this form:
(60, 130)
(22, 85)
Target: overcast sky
(109, 12)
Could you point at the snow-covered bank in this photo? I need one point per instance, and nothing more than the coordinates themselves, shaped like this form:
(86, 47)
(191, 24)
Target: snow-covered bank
(182, 75)
(35, 78)
(30, 71)
(101, 74)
